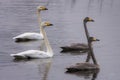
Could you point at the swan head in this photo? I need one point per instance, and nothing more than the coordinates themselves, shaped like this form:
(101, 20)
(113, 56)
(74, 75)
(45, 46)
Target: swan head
(46, 23)
(40, 8)
(91, 39)
(88, 19)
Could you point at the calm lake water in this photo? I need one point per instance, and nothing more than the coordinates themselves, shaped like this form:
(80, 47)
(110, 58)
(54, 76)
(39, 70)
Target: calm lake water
(19, 16)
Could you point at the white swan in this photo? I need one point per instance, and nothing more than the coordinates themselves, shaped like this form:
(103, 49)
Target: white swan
(37, 53)
(32, 35)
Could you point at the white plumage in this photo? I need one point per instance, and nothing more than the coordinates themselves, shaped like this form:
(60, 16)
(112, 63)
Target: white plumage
(37, 53)
(29, 35)
(32, 35)
(32, 54)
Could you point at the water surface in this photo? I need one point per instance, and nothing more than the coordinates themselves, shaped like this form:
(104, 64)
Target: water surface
(19, 16)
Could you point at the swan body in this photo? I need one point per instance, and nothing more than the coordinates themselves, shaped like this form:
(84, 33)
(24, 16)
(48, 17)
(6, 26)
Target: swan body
(87, 67)
(37, 53)
(32, 54)
(75, 47)
(32, 35)
(78, 46)
(28, 36)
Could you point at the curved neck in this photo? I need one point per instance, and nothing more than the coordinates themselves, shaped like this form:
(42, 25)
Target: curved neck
(86, 31)
(90, 44)
(49, 49)
(39, 20)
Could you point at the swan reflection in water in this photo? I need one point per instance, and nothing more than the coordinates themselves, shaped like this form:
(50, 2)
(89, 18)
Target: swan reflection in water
(99, 4)
(92, 75)
(43, 66)
(88, 74)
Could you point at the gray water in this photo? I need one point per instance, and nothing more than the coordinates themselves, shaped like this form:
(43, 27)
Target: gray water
(19, 16)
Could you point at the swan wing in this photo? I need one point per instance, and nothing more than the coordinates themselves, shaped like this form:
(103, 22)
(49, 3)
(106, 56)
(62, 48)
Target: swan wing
(29, 35)
(31, 54)
(79, 44)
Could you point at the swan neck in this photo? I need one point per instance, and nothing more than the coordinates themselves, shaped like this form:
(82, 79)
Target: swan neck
(90, 44)
(86, 31)
(39, 20)
(49, 49)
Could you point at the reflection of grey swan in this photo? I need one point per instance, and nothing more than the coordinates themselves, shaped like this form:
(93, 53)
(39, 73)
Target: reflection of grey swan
(32, 35)
(79, 46)
(37, 53)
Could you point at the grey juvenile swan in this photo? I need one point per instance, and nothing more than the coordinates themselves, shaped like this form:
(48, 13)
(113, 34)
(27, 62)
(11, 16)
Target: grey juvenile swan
(79, 46)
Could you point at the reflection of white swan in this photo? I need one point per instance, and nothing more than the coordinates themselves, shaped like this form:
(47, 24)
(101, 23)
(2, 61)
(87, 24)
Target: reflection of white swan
(44, 68)
(32, 35)
(37, 53)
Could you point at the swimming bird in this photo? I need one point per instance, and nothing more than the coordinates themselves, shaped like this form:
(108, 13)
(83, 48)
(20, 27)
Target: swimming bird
(86, 66)
(32, 35)
(79, 46)
(37, 53)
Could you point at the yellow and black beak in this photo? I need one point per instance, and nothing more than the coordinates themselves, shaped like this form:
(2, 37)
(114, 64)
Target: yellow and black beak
(41, 8)
(91, 39)
(91, 20)
(44, 8)
(94, 39)
(97, 40)
(48, 24)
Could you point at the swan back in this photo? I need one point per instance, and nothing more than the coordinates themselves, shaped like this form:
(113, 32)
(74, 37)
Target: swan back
(29, 35)
(31, 54)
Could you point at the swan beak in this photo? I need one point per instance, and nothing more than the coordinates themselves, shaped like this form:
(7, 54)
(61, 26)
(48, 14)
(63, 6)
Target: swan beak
(91, 20)
(94, 39)
(97, 40)
(91, 39)
(45, 8)
(50, 25)
(40, 8)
